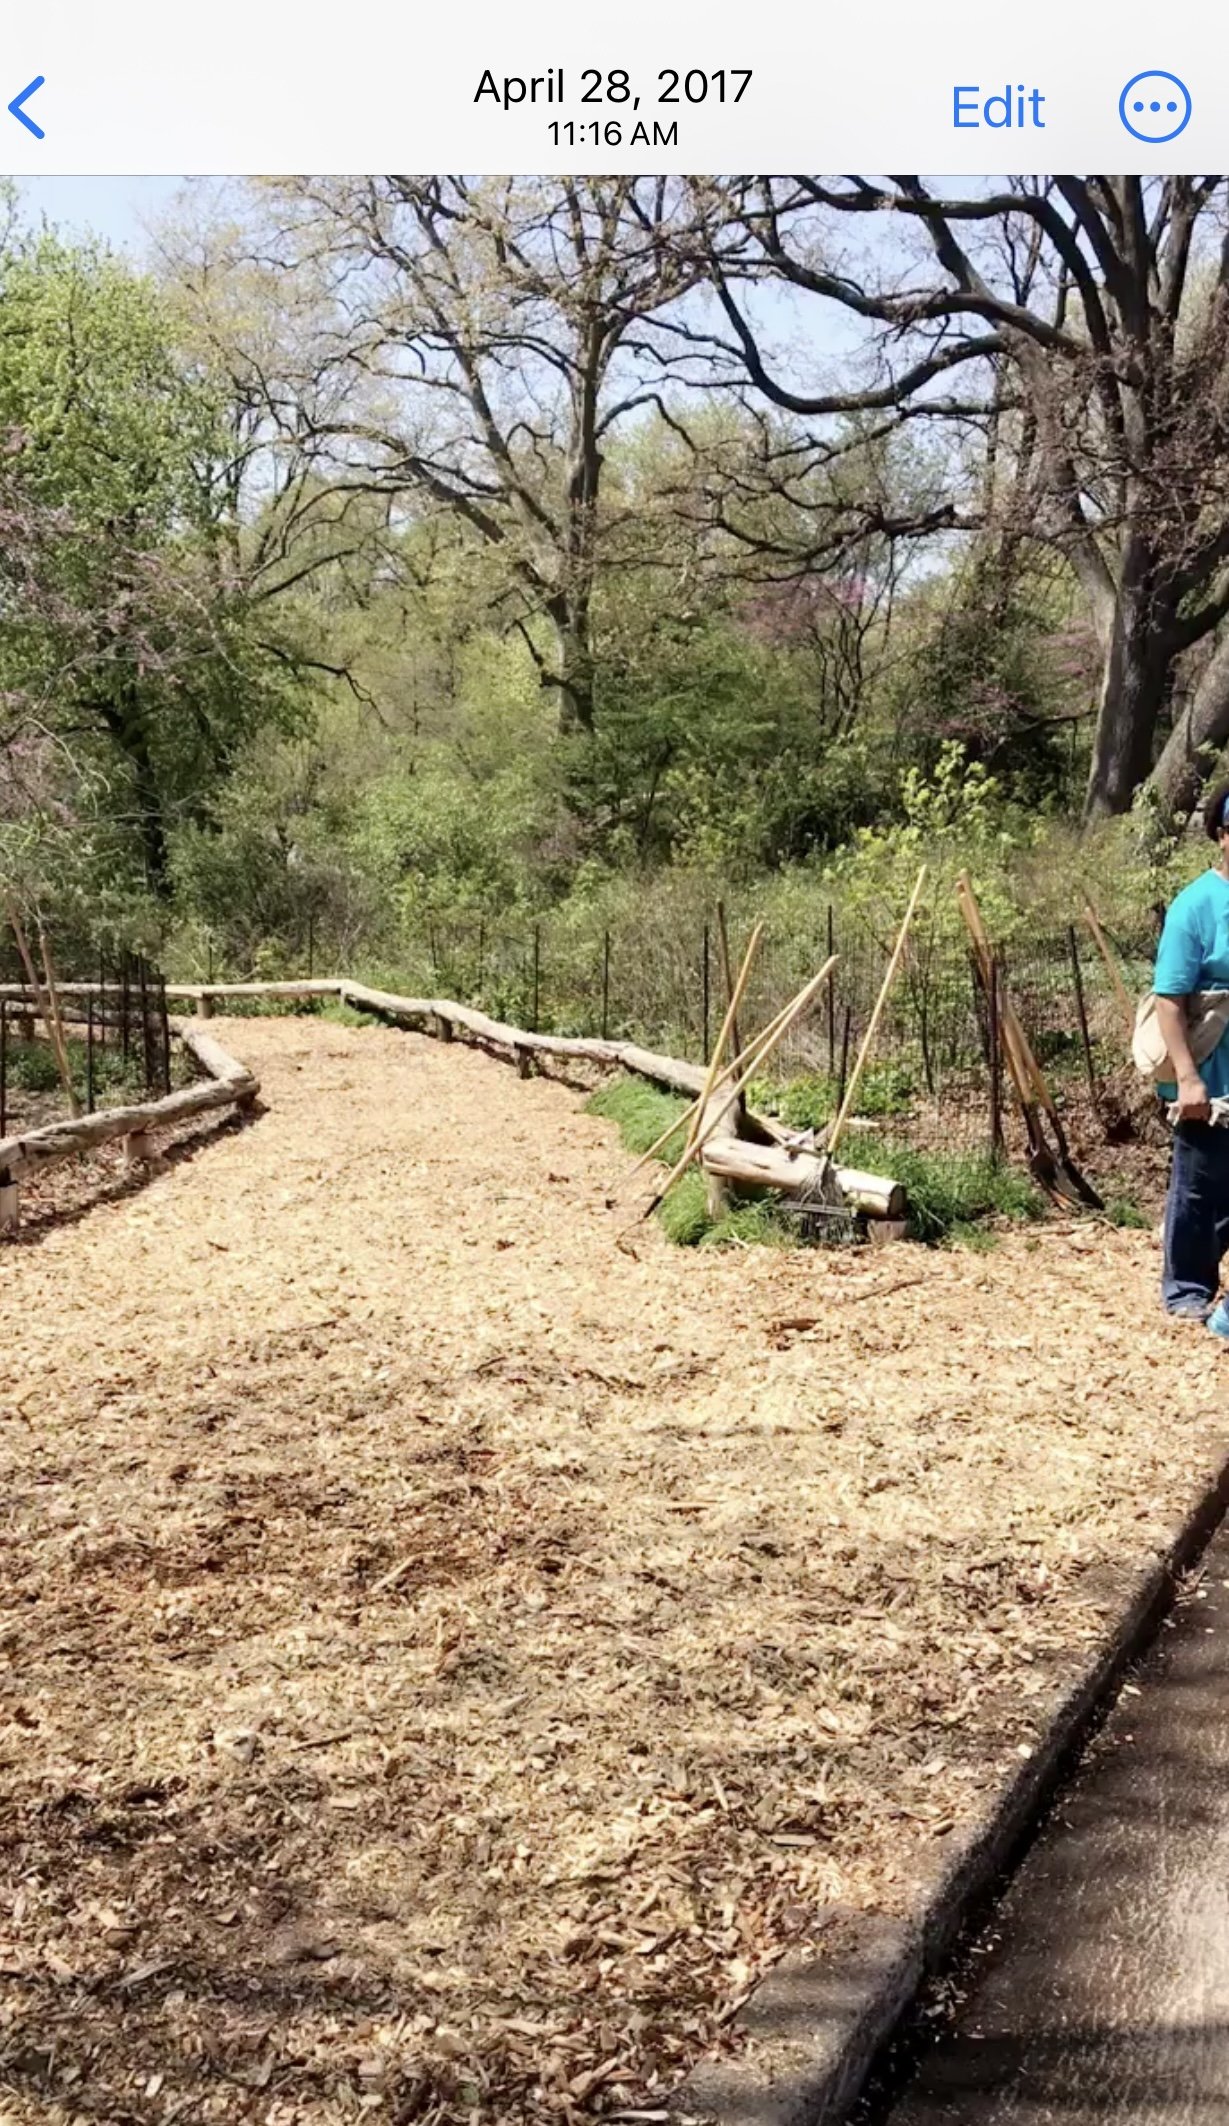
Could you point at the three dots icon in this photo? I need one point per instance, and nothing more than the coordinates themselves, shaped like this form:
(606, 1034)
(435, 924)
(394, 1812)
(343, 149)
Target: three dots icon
(1155, 106)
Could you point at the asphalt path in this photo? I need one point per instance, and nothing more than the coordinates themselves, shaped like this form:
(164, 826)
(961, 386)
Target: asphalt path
(1102, 1991)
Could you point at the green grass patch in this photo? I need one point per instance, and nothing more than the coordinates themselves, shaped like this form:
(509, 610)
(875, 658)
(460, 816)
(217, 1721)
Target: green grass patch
(951, 1194)
(640, 1113)
(1124, 1211)
(339, 1013)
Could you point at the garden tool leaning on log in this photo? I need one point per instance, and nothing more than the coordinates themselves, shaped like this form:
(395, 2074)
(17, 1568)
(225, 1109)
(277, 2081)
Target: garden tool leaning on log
(1054, 1170)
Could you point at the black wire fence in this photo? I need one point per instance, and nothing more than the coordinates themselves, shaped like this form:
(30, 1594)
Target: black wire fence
(116, 1036)
(935, 1079)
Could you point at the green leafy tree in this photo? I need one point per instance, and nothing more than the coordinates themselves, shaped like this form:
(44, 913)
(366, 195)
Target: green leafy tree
(128, 642)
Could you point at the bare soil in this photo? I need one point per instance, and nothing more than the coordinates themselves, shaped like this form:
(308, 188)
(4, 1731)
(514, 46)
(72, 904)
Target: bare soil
(448, 1656)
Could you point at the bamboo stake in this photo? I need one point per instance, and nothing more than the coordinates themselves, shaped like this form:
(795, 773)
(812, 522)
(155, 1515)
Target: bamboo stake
(744, 975)
(749, 1057)
(59, 1042)
(1014, 1047)
(770, 1040)
(1102, 943)
(47, 1005)
(36, 987)
(837, 1130)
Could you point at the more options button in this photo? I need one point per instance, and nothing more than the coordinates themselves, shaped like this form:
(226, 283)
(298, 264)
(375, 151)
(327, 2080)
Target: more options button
(1155, 107)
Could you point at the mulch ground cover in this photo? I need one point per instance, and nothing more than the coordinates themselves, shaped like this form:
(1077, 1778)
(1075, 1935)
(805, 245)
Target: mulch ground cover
(447, 1658)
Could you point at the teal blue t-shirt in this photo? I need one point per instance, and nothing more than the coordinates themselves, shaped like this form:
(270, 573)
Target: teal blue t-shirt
(1194, 954)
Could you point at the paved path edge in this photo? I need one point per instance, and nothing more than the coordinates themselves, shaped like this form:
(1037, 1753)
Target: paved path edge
(815, 2025)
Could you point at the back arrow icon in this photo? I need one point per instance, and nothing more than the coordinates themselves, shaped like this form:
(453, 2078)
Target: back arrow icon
(23, 117)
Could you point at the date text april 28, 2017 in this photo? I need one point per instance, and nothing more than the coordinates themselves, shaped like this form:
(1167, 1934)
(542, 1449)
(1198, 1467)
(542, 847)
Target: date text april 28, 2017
(677, 85)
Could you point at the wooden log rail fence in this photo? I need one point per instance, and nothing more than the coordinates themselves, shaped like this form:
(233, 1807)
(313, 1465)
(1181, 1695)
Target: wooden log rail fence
(773, 1158)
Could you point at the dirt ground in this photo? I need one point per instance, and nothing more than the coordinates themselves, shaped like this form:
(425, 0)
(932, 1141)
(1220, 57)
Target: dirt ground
(447, 1657)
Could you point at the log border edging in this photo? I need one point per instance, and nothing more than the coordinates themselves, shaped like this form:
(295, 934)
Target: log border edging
(229, 1084)
(831, 2018)
(793, 1168)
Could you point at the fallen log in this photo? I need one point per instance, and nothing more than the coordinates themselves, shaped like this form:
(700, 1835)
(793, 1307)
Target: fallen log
(794, 1173)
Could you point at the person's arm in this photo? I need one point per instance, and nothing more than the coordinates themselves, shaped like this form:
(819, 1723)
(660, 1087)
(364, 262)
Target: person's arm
(1193, 1102)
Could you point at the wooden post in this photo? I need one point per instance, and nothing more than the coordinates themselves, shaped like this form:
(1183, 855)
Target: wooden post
(706, 996)
(10, 1206)
(4, 1066)
(311, 945)
(125, 1008)
(102, 1004)
(537, 976)
(138, 1149)
(1078, 985)
(606, 987)
(204, 1005)
(89, 1058)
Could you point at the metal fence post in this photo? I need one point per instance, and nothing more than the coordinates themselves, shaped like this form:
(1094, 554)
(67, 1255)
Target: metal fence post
(831, 987)
(166, 1034)
(995, 1059)
(89, 1055)
(606, 986)
(147, 1059)
(537, 976)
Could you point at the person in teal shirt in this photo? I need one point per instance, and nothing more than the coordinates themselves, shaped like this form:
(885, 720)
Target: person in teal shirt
(1194, 954)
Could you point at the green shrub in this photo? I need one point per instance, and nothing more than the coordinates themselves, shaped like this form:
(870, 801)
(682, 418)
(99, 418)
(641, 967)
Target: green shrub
(811, 1101)
(32, 1067)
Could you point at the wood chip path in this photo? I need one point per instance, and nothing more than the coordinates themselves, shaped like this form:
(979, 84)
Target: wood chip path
(446, 1659)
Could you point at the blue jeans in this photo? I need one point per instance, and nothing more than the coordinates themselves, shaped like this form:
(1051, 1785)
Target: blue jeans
(1196, 1218)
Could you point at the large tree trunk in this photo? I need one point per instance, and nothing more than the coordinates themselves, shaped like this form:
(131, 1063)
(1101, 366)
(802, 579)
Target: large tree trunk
(1197, 737)
(574, 679)
(1133, 690)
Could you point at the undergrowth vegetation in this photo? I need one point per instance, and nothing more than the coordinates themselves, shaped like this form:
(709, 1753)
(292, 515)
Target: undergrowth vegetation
(953, 1197)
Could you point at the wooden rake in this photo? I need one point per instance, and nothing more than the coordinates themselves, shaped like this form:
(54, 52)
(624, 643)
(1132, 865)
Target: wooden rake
(1055, 1171)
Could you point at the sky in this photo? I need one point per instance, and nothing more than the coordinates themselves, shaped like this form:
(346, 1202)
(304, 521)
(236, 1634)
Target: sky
(112, 207)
